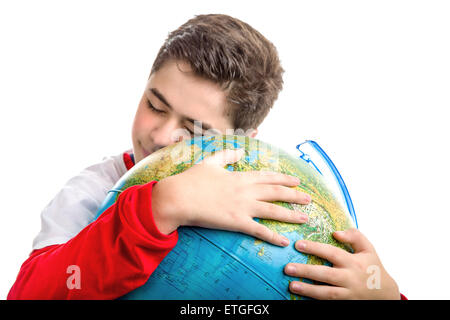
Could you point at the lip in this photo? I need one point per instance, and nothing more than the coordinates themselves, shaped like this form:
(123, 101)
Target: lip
(145, 153)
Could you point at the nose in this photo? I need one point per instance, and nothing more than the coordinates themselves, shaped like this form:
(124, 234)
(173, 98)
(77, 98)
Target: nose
(167, 133)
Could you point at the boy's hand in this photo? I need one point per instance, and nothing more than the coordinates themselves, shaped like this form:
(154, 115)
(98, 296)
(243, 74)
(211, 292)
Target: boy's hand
(207, 195)
(353, 276)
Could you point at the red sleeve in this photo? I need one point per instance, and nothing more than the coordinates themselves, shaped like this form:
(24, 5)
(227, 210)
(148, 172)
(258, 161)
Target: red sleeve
(112, 256)
(402, 297)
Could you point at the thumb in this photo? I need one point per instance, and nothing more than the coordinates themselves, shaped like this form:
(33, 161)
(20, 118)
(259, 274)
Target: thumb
(224, 157)
(355, 238)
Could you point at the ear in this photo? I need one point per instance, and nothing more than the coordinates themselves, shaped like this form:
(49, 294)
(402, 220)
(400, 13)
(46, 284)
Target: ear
(253, 133)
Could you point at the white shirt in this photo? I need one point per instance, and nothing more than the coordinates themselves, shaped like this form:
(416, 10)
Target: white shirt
(76, 205)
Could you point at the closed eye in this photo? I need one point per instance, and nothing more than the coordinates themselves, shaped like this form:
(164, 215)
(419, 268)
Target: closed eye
(152, 108)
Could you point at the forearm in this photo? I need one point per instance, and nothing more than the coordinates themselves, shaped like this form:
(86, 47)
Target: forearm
(115, 254)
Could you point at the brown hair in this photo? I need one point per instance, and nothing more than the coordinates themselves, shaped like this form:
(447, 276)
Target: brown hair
(234, 55)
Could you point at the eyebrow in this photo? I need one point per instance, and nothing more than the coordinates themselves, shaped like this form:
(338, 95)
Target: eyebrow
(161, 97)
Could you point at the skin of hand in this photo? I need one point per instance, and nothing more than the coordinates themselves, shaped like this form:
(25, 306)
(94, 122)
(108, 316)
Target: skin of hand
(359, 275)
(207, 195)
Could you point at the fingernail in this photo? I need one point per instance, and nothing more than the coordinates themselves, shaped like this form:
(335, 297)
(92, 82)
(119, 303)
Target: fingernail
(339, 233)
(290, 269)
(296, 286)
(301, 245)
(284, 241)
(304, 216)
(308, 198)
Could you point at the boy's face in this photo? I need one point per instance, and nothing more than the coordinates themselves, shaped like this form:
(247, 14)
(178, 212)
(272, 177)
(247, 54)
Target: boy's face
(172, 101)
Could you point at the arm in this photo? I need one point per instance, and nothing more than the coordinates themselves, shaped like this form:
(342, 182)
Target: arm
(118, 252)
(115, 254)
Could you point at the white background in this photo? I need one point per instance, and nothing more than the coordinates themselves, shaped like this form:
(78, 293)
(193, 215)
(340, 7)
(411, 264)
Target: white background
(368, 80)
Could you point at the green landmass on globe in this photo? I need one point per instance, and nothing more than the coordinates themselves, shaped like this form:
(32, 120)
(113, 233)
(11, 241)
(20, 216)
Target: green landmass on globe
(214, 264)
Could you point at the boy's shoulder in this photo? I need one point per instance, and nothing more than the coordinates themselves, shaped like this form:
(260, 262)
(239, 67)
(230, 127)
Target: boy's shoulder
(76, 204)
(117, 164)
(109, 170)
(106, 173)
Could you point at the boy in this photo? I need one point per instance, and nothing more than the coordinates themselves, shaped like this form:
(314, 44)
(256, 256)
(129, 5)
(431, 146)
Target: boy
(213, 73)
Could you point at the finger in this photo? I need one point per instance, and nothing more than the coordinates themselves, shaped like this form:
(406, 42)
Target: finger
(281, 193)
(224, 157)
(335, 255)
(266, 210)
(320, 273)
(262, 232)
(321, 292)
(270, 177)
(355, 238)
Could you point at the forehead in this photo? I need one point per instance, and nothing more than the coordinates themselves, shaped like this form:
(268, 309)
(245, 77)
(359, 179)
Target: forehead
(188, 95)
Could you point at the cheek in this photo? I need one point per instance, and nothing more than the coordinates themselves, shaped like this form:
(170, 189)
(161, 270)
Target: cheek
(143, 123)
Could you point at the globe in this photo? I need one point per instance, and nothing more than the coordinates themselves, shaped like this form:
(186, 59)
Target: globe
(214, 264)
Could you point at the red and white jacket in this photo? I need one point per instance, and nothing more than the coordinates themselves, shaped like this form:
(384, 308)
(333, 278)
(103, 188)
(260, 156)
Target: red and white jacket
(114, 255)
